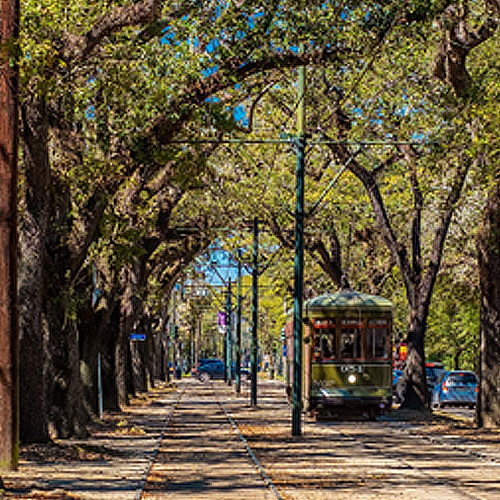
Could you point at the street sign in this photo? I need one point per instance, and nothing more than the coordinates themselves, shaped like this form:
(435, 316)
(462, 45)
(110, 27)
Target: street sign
(137, 336)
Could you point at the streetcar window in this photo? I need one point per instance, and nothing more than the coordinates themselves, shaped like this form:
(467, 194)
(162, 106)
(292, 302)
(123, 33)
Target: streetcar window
(350, 343)
(324, 345)
(377, 343)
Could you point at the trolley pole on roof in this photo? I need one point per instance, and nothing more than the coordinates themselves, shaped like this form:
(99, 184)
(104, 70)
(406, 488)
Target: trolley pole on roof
(299, 262)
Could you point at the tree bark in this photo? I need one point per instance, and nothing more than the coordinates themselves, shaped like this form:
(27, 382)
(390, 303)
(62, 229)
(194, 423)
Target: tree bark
(96, 335)
(109, 370)
(33, 390)
(121, 362)
(489, 272)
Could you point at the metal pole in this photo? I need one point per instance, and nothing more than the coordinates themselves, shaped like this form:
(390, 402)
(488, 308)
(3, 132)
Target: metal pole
(224, 348)
(167, 352)
(238, 328)
(229, 336)
(174, 336)
(9, 343)
(197, 340)
(168, 341)
(99, 385)
(255, 313)
(299, 264)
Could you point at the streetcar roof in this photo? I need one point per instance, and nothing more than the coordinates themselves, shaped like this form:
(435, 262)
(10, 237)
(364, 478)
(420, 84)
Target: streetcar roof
(348, 299)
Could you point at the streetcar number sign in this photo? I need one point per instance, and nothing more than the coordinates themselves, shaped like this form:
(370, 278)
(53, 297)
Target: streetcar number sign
(351, 368)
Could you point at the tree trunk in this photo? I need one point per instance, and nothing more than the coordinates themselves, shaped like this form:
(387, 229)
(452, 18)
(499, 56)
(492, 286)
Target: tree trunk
(456, 358)
(68, 412)
(489, 270)
(97, 336)
(33, 390)
(122, 355)
(138, 350)
(153, 354)
(109, 370)
(416, 396)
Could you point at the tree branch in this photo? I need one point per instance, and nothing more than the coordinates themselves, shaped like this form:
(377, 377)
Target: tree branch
(457, 42)
(80, 47)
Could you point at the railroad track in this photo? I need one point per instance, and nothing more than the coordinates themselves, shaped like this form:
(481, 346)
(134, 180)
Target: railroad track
(203, 455)
(215, 446)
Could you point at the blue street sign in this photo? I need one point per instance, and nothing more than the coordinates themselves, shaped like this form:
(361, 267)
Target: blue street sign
(137, 336)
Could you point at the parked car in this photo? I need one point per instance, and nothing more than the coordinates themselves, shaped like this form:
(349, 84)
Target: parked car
(210, 370)
(201, 362)
(214, 369)
(457, 387)
(397, 387)
(434, 372)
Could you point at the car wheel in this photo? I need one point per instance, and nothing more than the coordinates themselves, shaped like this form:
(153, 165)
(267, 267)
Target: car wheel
(204, 377)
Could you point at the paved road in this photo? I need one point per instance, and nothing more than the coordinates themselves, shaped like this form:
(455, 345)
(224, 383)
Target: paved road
(204, 442)
(461, 412)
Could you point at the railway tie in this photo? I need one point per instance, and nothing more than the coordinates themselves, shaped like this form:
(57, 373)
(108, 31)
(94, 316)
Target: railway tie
(203, 456)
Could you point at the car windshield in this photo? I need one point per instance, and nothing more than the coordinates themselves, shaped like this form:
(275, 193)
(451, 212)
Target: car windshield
(462, 379)
(208, 361)
(434, 374)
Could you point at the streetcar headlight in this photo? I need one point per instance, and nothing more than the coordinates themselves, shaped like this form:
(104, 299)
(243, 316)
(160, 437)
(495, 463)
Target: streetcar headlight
(352, 378)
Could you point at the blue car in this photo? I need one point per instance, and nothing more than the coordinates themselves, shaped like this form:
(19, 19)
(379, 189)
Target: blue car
(397, 387)
(214, 369)
(458, 388)
(210, 370)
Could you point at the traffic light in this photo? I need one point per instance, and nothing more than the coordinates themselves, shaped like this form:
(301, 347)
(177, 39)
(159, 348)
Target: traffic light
(176, 332)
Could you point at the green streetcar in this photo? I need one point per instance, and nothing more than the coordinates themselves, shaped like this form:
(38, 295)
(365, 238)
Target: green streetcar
(346, 355)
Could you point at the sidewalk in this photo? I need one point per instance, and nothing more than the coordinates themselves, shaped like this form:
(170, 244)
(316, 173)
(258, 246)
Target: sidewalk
(109, 465)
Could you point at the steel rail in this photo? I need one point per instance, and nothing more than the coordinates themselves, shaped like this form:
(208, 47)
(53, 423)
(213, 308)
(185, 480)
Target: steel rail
(265, 476)
(157, 447)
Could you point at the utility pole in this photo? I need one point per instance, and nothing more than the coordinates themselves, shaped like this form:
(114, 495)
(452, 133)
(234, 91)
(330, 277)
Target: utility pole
(229, 336)
(299, 263)
(168, 332)
(176, 349)
(238, 328)
(9, 137)
(255, 312)
(197, 341)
